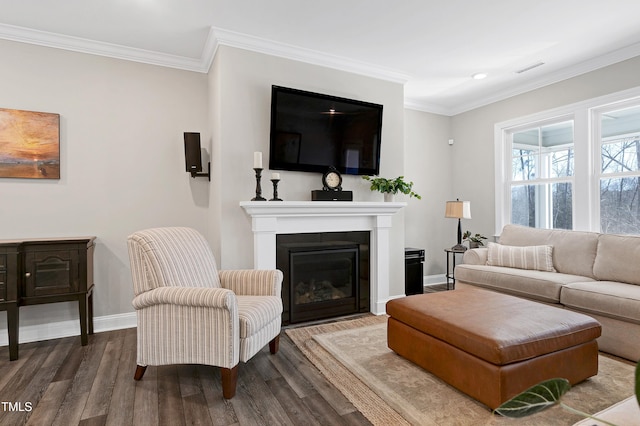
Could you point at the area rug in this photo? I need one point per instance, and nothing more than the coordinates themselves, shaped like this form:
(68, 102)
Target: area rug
(387, 389)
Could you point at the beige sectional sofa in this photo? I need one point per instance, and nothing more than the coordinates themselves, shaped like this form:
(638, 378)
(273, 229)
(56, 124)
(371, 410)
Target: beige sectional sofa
(596, 274)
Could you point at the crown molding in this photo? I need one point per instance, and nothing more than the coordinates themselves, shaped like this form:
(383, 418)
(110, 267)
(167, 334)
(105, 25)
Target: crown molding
(81, 45)
(270, 47)
(209, 51)
(215, 38)
(424, 106)
(219, 36)
(584, 67)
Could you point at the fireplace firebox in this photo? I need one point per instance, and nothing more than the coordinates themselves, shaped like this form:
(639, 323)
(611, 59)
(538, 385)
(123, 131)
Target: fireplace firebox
(325, 274)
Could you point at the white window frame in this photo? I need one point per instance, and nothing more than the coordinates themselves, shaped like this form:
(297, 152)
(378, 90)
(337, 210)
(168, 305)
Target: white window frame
(543, 217)
(596, 115)
(586, 178)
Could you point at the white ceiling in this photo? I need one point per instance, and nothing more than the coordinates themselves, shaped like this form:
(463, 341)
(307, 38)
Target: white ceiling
(432, 46)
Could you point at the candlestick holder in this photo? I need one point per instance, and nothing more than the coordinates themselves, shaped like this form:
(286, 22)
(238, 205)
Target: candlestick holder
(258, 196)
(275, 190)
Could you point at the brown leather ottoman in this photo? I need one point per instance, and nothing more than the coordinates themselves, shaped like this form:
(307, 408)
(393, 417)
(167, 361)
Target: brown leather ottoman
(492, 346)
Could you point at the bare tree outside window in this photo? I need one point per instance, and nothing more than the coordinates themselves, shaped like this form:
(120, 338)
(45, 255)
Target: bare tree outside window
(620, 186)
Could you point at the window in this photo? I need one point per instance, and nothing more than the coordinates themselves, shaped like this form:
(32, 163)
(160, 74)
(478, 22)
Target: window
(575, 167)
(542, 168)
(619, 177)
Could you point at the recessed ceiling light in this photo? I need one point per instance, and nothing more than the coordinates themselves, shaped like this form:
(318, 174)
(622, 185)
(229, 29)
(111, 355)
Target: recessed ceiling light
(479, 76)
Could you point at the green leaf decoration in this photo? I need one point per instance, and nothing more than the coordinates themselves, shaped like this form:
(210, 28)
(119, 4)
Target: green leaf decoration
(535, 399)
(392, 186)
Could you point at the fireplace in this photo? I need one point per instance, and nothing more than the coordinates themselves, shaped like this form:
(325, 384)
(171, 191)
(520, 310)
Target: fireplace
(270, 220)
(325, 274)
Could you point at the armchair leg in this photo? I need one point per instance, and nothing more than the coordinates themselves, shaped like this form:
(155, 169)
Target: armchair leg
(229, 381)
(139, 372)
(274, 345)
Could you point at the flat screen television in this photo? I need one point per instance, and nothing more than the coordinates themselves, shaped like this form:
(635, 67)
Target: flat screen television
(312, 131)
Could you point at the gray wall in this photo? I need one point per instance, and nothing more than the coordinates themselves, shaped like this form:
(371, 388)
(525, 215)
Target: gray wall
(429, 162)
(122, 160)
(473, 131)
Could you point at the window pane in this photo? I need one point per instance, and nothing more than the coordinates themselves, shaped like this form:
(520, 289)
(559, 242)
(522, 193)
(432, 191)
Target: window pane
(557, 134)
(524, 165)
(523, 205)
(562, 213)
(527, 137)
(621, 155)
(620, 123)
(619, 209)
(562, 163)
(542, 152)
(543, 206)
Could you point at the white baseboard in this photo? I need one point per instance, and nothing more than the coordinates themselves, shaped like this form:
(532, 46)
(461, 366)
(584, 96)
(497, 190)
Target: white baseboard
(57, 330)
(434, 279)
(115, 322)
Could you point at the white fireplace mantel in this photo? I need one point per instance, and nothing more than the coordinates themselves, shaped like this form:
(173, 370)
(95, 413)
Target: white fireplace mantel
(296, 217)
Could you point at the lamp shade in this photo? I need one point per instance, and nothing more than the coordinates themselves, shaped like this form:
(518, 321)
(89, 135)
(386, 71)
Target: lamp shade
(458, 209)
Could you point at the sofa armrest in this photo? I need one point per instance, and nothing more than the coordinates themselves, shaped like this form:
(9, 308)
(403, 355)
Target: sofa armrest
(252, 282)
(187, 296)
(476, 256)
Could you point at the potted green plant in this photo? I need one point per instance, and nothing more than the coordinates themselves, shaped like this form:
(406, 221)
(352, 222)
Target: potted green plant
(475, 241)
(390, 187)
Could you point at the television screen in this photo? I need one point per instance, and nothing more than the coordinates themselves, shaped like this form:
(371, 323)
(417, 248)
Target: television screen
(312, 131)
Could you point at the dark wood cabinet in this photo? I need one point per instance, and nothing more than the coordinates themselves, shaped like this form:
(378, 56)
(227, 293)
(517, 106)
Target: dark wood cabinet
(37, 271)
(9, 292)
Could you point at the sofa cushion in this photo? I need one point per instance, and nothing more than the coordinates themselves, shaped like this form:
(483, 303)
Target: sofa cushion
(616, 255)
(538, 285)
(476, 256)
(538, 258)
(607, 298)
(573, 251)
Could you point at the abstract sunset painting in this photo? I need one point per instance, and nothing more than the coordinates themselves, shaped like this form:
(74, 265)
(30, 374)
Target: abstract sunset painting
(29, 144)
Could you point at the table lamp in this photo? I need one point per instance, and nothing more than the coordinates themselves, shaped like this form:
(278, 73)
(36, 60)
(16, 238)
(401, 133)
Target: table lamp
(458, 210)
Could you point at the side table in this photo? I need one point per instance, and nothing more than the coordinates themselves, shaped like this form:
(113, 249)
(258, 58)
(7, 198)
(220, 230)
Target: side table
(9, 298)
(49, 270)
(451, 266)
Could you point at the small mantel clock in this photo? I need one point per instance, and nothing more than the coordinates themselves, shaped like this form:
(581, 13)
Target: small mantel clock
(332, 180)
(331, 188)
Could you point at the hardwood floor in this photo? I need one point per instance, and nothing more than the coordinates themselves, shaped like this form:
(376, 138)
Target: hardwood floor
(60, 382)
(434, 288)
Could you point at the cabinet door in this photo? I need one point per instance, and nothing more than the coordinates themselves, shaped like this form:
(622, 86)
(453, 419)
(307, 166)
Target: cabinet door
(3, 277)
(51, 272)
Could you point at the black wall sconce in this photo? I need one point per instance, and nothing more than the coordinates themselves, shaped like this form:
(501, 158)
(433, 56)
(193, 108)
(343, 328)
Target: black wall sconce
(193, 157)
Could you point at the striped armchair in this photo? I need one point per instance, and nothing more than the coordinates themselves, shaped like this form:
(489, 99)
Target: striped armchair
(191, 313)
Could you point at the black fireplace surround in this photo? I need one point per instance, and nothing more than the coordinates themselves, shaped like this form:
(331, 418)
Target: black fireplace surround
(325, 274)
